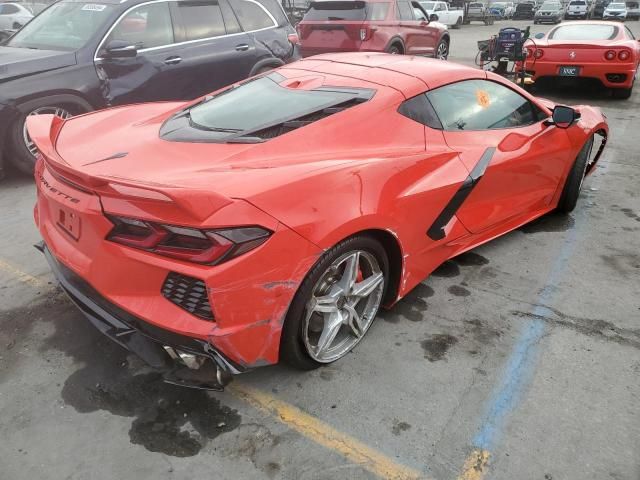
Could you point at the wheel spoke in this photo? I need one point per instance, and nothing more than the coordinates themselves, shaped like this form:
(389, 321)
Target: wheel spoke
(356, 323)
(352, 264)
(332, 324)
(324, 304)
(367, 286)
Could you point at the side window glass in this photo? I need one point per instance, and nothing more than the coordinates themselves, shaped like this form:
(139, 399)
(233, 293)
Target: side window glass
(405, 10)
(230, 20)
(419, 109)
(201, 19)
(147, 26)
(419, 15)
(481, 105)
(251, 15)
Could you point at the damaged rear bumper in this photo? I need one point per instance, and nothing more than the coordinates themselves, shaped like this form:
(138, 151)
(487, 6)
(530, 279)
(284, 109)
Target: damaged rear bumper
(184, 361)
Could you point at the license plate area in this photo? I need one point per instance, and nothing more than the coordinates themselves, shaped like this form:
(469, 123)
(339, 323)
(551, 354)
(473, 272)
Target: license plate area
(566, 71)
(69, 222)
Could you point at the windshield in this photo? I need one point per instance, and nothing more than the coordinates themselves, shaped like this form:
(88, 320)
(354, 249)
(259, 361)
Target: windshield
(428, 5)
(346, 10)
(259, 103)
(499, 5)
(63, 26)
(617, 6)
(550, 6)
(578, 32)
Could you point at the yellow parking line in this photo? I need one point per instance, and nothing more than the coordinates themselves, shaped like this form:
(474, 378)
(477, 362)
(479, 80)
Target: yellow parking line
(20, 275)
(475, 467)
(325, 435)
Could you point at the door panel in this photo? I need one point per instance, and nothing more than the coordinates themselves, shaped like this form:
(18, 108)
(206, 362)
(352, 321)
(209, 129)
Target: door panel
(153, 75)
(528, 158)
(522, 175)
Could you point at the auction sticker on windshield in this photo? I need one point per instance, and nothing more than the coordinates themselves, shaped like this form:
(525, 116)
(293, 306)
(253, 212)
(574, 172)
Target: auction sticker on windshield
(94, 7)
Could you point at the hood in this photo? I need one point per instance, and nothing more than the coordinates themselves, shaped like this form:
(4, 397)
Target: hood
(21, 62)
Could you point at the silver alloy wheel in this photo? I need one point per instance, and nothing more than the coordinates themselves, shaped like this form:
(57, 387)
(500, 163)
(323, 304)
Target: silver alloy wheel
(342, 307)
(58, 111)
(442, 51)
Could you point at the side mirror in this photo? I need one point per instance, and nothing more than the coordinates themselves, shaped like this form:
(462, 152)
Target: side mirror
(433, 17)
(539, 35)
(563, 116)
(120, 49)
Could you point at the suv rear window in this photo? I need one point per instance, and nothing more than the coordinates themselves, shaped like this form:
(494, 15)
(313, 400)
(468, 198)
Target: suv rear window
(244, 113)
(578, 32)
(578, 2)
(346, 10)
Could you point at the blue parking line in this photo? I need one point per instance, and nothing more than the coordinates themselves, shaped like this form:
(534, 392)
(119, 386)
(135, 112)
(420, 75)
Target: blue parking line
(521, 364)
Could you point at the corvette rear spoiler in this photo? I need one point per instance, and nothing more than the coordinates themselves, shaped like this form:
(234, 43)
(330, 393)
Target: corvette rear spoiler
(44, 131)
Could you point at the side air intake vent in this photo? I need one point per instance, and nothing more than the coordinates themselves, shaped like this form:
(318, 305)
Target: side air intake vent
(188, 293)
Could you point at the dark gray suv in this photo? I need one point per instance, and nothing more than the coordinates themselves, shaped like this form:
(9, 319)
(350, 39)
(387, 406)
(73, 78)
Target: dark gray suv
(76, 57)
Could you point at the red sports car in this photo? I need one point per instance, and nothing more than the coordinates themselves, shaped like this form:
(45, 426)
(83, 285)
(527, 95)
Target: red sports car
(393, 26)
(604, 51)
(271, 220)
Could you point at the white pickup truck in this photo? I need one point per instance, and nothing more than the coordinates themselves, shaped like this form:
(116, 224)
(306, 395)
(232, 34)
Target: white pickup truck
(442, 13)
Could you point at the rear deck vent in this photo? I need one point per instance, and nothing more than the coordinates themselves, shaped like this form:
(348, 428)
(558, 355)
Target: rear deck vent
(188, 293)
(288, 126)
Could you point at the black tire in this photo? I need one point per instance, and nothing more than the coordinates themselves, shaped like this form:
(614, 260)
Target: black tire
(573, 184)
(20, 156)
(395, 49)
(292, 348)
(458, 23)
(621, 93)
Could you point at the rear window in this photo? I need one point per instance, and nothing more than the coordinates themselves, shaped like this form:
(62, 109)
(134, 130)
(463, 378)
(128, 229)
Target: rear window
(579, 32)
(263, 103)
(578, 2)
(346, 10)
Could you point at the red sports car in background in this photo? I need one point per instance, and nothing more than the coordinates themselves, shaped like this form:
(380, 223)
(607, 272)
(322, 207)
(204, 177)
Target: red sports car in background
(604, 51)
(393, 26)
(272, 219)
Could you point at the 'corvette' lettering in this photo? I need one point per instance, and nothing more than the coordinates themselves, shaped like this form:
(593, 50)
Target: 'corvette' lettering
(55, 191)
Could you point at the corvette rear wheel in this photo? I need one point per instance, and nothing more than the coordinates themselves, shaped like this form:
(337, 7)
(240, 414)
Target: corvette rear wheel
(336, 304)
(573, 185)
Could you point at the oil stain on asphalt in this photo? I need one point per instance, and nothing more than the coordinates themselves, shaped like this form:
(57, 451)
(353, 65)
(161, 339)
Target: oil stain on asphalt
(411, 307)
(166, 418)
(436, 346)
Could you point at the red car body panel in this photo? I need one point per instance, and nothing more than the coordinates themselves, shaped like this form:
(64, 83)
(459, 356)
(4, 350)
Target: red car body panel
(588, 56)
(367, 168)
(339, 36)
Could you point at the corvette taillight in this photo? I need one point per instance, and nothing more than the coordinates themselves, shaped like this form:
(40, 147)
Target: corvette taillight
(208, 247)
(538, 53)
(610, 54)
(623, 55)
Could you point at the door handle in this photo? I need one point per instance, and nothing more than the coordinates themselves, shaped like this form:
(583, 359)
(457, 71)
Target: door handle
(243, 47)
(173, 60)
